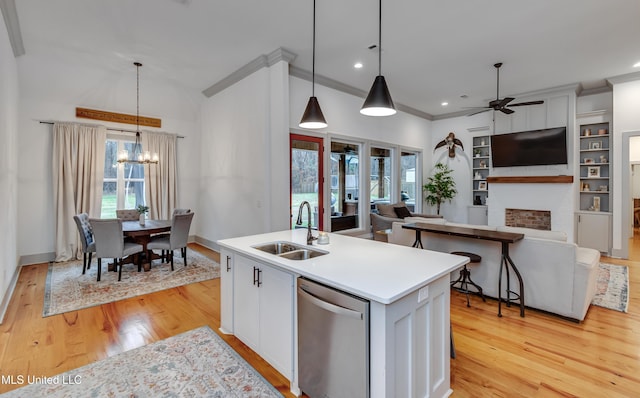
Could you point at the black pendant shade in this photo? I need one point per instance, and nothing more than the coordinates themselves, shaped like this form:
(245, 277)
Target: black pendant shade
(313, 117)
(378, 102)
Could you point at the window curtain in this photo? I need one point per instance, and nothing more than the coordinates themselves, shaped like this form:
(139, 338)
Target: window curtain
(78, 171)
(160, 179)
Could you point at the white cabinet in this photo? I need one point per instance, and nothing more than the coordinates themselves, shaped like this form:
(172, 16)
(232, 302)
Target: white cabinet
(594, 230)
(477, 215)
(226, 291)
(480, 169)
(263, 311)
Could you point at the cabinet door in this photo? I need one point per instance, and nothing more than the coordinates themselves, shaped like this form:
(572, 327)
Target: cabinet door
(594, 231)
(245, 302)
(276, 319)
(226, 291)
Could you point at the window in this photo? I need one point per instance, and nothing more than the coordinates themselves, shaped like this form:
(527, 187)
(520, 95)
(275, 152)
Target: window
(123, 183)
(345, 171)
(409, 188)
(380, 176)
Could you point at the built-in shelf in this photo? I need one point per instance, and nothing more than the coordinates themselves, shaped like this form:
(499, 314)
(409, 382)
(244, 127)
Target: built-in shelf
(531, 180)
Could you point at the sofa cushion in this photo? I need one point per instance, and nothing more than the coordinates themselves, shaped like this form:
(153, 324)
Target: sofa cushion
(402, 211)
(536, 233)
(431, 220)
(387, 210)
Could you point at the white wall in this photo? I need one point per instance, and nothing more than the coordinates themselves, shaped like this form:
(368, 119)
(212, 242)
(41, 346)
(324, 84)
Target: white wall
(626, 118)
(480, 125)
(234, 168)
(8, 168)
(36, 228)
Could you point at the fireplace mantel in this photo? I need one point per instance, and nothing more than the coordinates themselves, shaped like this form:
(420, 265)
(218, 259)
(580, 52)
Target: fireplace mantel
(530, 180)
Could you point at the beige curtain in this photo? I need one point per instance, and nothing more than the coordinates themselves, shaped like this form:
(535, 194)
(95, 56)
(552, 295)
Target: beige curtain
(78, 171)
(160, 179)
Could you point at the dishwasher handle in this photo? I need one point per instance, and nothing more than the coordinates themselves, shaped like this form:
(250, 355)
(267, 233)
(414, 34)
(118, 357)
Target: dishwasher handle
(336, 309)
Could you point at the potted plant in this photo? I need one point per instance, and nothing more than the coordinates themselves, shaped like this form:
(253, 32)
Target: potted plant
(142, 210)
(440, 187)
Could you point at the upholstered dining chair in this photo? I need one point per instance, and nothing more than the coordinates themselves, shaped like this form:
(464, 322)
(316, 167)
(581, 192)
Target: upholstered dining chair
(86, 237)
(128, 214)
(110, 243)
(176, 239)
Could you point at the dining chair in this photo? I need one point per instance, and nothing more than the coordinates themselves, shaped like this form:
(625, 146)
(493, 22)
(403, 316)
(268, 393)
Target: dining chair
(128, 214)
(110, 243)
(176, 239)
(86, 237)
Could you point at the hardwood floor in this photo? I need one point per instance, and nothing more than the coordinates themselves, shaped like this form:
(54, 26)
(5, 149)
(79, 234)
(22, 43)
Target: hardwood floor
(537, 356)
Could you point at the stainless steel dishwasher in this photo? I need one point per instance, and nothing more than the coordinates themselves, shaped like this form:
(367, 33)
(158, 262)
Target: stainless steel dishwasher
(333, 342)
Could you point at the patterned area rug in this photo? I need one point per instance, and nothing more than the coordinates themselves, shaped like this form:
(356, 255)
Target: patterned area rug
(197, 363)
(68, 290)
(613, 287)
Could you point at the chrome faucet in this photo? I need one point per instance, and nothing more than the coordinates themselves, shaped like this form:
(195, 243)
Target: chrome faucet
(310, 237)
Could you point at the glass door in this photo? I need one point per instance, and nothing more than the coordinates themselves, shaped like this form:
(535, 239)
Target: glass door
(306, 179)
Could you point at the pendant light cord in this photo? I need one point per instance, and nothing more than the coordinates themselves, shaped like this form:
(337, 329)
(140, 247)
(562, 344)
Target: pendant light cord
(313, 57)
(379, 38)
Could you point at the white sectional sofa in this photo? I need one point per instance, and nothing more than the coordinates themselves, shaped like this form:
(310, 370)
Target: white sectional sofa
(559, 277)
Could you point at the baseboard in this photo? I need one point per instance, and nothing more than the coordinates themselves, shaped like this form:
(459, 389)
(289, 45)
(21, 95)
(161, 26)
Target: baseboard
(209, 244)
(37, 258)
(7, 297)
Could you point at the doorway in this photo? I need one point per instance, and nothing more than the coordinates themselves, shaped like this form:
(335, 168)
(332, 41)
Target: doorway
(307, 180)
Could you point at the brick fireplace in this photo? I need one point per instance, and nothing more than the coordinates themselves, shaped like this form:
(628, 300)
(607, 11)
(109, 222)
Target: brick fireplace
(536, 219)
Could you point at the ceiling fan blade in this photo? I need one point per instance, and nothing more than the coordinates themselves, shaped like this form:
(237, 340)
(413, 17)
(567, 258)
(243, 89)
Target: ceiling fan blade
(476, 107)
(480, 111)
(506, 110)
(505, 101)
(528, 103)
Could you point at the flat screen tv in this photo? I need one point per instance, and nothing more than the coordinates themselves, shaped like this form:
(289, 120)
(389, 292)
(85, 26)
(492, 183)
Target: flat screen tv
(530, 148)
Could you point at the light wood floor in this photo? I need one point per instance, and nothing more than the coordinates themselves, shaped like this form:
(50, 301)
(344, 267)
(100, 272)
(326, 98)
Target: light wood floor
(537, 356)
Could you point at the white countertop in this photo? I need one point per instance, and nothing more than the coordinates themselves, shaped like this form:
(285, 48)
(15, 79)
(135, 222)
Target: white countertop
(377, 271)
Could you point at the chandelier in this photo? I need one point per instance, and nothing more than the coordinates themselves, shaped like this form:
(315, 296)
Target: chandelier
(137, 156)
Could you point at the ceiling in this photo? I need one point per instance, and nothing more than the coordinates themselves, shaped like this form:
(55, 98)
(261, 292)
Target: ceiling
(433, 51)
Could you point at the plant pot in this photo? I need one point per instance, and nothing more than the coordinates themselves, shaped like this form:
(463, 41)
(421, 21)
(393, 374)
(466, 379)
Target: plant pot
(142, 218)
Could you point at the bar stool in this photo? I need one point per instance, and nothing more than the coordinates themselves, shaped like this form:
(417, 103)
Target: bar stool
(465, 277)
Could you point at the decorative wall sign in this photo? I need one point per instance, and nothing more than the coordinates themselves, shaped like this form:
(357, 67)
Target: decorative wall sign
(117, 117)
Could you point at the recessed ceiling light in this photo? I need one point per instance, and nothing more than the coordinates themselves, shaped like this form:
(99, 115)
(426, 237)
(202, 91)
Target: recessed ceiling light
(444, 103)
(358, 65)
(636, 65)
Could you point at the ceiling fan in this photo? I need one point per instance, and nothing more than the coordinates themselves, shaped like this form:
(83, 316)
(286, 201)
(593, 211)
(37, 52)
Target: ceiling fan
(502, 104)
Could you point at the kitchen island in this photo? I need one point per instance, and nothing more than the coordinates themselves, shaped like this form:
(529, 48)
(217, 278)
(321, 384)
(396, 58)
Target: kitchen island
(408, 291)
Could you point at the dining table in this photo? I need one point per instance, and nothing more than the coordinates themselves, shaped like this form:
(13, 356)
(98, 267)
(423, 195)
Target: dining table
(142, 234)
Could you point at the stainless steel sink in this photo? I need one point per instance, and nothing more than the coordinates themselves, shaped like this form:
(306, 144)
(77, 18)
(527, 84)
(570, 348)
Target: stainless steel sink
(278, 247)
(290, 250)
(302, 254)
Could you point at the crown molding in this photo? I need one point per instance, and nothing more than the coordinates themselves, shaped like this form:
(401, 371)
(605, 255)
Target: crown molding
(262, 61)
(629, 77)
(345, 88)
(10, 15)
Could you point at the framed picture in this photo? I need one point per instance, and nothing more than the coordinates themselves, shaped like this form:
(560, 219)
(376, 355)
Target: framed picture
(595, 145)
(588, 160)
(482, 186)
(593, 172)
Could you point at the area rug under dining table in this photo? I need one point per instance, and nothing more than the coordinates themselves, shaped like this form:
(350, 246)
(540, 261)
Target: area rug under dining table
(197, 363)
(67, 289)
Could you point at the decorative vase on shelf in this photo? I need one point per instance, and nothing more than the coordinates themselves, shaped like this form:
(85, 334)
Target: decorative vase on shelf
(142, 219)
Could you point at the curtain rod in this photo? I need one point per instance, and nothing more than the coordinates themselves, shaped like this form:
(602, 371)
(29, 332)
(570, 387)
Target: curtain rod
(108, 128)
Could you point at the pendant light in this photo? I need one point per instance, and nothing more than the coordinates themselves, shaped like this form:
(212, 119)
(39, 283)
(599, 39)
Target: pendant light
(379, 102)
(313, 117)
(138, 156)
